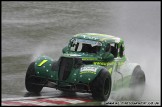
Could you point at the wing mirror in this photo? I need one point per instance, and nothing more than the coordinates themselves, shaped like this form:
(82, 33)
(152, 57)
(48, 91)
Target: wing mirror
(65, 49)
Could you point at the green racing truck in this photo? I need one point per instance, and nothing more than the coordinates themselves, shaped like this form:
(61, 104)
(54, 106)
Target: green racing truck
(91, 63)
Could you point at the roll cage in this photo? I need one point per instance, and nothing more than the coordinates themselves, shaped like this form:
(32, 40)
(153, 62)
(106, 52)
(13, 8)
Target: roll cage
(95, 47)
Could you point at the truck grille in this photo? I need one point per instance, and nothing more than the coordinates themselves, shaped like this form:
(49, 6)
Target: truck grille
(66, 65)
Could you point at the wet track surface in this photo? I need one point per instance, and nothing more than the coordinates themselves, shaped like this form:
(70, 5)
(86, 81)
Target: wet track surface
(30, 29)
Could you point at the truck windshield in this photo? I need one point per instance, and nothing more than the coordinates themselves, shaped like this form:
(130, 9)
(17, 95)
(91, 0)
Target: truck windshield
(87, 46)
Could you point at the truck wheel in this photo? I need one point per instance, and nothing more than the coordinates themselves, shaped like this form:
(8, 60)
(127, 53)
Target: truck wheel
(101, 86)
(28, 81)
(137, 83)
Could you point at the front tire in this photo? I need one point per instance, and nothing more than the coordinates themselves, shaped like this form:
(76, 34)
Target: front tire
(29, 81)
(101, 86)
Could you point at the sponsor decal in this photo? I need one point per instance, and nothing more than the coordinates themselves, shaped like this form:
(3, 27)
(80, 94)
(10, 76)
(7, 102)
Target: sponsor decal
(89, 59)
(104, 63)
(85, 72)
(88, 70)
(117, 40)
(42, 62)
(103, 39)
(72, 55)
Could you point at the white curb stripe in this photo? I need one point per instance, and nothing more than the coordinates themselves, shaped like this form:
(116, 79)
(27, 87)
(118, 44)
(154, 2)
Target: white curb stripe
(72, 101)
(24, 98)
(36, 103)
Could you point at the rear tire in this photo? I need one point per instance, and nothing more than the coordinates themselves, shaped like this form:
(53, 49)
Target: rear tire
(28, 81)
(137, 83)
(101, 86)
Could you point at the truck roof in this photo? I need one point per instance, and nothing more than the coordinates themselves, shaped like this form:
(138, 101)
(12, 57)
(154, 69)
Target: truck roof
(99, 37)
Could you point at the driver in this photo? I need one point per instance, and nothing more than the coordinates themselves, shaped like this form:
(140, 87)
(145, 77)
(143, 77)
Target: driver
(86, 48)
(108, 48)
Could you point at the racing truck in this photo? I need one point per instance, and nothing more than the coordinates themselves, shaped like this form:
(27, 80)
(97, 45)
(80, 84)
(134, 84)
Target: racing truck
(90, 63)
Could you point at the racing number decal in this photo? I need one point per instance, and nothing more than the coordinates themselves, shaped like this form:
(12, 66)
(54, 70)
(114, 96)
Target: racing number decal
(106, 64)
(42, 62)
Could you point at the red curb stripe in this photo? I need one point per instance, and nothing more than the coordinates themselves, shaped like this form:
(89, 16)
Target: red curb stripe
(52, 101)
(19, 103)
(57, 101)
